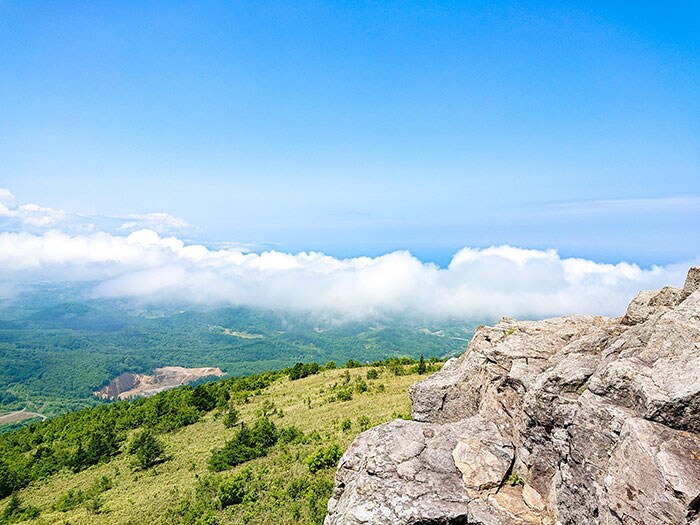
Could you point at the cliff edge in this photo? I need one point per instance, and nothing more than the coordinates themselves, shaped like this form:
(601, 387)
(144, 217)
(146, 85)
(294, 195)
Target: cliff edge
(568, 421)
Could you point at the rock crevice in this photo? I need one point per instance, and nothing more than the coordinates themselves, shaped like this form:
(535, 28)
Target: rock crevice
(565, 421)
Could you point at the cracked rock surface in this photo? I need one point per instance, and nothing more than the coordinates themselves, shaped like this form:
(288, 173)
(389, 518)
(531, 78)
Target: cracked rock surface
(565, 421)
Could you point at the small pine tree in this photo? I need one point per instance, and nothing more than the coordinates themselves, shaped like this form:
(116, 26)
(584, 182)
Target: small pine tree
(231, 417)
(146, 449)
(422, 369)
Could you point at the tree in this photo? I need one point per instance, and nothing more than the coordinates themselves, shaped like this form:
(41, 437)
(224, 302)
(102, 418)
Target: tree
(422, 369)
(146, 449)
(231, 417)
(6, 480)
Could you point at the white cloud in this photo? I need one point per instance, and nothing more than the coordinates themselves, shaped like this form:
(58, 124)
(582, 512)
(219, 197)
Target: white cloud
(7, 203)
(159, 222)
(33, 217)
(677, 204)
(496, 281)
(148, 265)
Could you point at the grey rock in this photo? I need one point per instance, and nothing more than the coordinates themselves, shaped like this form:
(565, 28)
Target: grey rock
(566, 421)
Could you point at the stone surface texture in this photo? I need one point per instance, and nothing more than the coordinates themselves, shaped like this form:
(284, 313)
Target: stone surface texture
(565, 421)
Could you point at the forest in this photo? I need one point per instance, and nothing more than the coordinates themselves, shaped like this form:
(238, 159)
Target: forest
(54, 355)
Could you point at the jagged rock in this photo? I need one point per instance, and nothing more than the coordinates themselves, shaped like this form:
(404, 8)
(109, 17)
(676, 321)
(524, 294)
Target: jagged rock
(401, 472)
(568, 421)
(482, 455)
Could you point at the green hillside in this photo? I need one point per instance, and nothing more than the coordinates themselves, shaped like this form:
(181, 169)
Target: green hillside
(54, 355)
(104, 464)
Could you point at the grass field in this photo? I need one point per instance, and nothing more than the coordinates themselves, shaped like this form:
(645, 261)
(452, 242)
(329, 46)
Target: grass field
(280, 487)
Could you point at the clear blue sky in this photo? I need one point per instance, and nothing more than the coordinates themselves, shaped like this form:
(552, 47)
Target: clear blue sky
(364, 127)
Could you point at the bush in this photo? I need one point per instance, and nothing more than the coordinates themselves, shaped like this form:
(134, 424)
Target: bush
(15, 511)
(330, 365)
(346, 425)
(372, 373)
(353, 364)
(231, 417)
(364, 423)
(398, 369)
(246, 444)
(69, 500)
(515, 479)
(146, 449)
(324, 457)
(344, 394)
(233, 490)
(290, 435)
(300, 370)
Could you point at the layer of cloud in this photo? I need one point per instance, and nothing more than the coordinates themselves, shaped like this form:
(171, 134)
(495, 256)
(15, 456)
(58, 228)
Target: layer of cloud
(496, 281)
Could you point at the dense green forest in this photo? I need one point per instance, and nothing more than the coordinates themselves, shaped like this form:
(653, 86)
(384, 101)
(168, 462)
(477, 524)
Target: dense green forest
(53, 355)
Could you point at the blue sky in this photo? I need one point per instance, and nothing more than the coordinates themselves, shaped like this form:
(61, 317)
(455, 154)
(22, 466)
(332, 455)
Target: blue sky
(359, 128)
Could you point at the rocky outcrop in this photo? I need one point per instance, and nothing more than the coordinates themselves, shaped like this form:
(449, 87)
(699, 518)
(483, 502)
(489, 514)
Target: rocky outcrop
(566, 421)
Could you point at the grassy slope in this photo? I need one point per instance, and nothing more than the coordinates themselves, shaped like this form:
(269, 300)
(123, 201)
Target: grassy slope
(150, 496)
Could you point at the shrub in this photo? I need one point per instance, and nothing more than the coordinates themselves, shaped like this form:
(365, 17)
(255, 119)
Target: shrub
(300, 370)
(15, 511)
(290, 435)
(346, 425)
(203, 399)
(364, 423)
(344, 394)
(146, 449)
(69, 500)
(398, 369)
(330, 365)
(324, 457)
(231, 417)
(372, 373)
(233, 490)
(515, 479)
(246, 444)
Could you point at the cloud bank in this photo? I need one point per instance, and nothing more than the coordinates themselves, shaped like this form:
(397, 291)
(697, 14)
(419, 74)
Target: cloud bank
(490, 282)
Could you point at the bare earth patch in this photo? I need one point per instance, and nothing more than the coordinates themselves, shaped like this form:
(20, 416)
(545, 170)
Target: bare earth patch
(129, 384)
(20, 415)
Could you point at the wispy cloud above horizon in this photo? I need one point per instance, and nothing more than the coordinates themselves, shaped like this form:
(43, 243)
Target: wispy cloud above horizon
(675, 204)
(35, 219)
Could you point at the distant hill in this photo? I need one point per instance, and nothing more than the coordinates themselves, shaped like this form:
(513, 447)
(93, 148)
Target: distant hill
(54, 355)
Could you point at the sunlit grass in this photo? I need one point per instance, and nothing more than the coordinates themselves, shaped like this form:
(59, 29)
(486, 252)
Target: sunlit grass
(149, 496)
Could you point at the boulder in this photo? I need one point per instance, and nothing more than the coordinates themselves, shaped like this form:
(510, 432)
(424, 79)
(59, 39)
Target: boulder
(566, 421)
